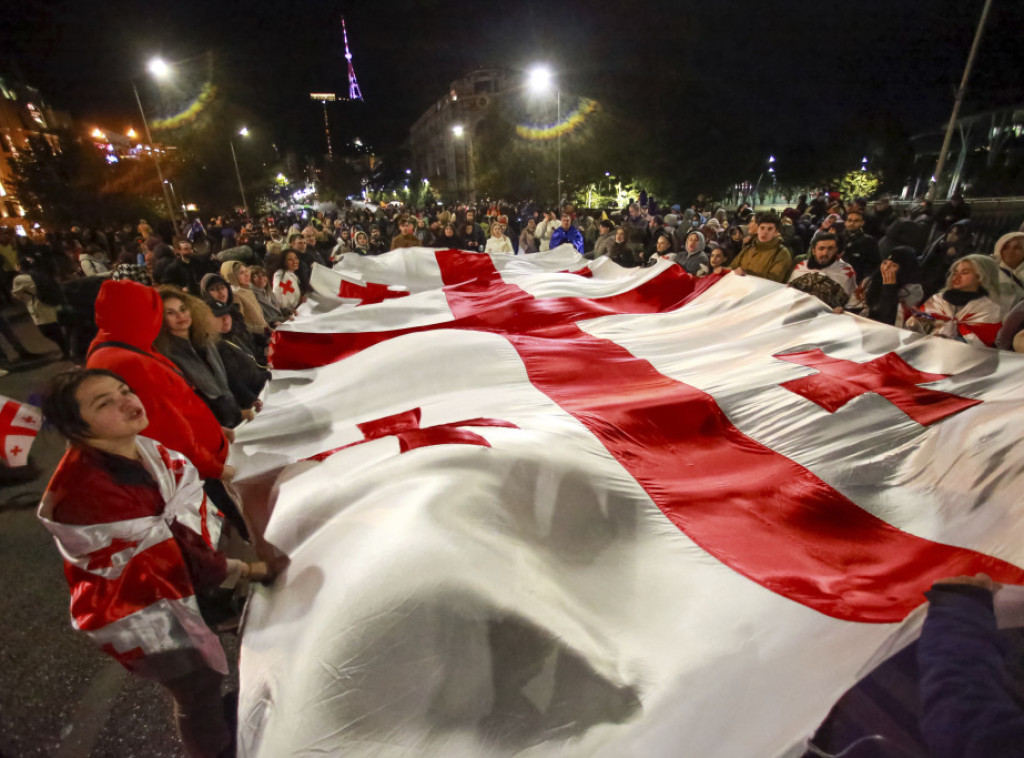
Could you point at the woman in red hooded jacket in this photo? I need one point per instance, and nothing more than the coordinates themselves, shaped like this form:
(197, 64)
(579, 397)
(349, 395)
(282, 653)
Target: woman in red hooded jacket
(129, 316)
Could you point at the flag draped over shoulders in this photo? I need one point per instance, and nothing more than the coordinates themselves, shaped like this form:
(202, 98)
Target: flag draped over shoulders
(545, 506)
(131, 588)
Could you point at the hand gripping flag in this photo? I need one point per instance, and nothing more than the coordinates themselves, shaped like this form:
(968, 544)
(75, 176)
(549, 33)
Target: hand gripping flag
(539, 506)
(19, 425)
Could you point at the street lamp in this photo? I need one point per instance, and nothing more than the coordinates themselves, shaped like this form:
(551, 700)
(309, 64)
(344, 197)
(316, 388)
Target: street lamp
(458, 131)
(540, 80)
(243, 132)
(159, 69)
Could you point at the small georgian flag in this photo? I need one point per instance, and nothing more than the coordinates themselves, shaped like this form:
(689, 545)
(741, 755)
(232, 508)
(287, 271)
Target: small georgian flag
(19, 425)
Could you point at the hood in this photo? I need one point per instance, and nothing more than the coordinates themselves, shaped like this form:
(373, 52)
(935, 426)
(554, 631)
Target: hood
(700, 239)
(130, 312)
(1001, 243)
(210, 280)
(906, 257)
(228, 269)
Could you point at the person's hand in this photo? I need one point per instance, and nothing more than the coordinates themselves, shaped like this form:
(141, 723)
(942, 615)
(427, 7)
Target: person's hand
(266, 571)
(227, 474)
(229, 434)
(889, 269)
(248, 414)
(739, 272)
(258, 572)
(978, 580)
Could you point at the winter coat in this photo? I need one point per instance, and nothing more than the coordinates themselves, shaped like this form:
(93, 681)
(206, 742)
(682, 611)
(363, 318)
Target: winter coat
(527, 241)
(132, 314)
(246, 377)
(204, 369)
(603, 245)
(500, 244)
(967, 710)
(768, 260)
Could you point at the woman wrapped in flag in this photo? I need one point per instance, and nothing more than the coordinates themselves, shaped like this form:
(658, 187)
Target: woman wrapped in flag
(138, 537)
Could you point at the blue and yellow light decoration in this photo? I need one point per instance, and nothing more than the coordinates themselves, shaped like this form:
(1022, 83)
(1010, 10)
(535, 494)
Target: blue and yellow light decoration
(191, 111)
(571, 121)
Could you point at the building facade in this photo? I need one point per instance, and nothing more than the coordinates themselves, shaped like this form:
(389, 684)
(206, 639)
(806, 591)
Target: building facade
(441, 140)
(24, 116)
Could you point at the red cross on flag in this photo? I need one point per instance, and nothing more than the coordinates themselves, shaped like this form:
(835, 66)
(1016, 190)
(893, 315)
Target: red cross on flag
(19, 425)
(704, 508)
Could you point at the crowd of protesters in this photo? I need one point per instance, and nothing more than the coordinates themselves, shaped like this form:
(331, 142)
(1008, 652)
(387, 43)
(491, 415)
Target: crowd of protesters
(175, 336)
(917, 270)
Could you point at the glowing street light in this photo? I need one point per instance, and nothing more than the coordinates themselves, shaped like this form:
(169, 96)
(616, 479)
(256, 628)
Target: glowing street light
(540, 79)
(459, 131)
(97, 133)
(243, 132)
(158, 67)
(130, 134)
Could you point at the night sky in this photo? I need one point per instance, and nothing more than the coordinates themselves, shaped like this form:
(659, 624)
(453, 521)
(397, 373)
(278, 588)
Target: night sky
(795, 71)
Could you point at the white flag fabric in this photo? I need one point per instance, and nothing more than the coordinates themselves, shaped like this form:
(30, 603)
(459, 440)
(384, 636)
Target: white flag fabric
(540, 506)
(19, 425)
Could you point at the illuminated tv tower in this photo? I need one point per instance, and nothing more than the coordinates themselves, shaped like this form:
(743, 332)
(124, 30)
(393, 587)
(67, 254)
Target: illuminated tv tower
(353, 85)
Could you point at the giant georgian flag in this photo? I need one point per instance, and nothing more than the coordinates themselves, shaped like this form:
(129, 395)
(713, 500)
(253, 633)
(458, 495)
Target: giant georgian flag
(542, 506)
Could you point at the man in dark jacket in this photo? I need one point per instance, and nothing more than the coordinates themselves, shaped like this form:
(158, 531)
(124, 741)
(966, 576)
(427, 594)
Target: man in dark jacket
(186, 271)
(860, 249)
(478, 239)
(879, 221)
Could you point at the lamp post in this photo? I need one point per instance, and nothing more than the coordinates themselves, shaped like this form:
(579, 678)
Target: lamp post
(540, 80)
(243, 132)
(174, 197)
(159, 69)
(457, 131)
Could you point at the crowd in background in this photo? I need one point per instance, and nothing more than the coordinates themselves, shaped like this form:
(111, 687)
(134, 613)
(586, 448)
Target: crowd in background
(921, 270)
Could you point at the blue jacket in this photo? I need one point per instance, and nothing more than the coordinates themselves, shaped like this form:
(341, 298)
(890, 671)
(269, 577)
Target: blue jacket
(966, 709)
(560, 236)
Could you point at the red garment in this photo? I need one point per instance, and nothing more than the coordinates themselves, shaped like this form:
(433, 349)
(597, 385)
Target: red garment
(132, 313)
(137, 538)
(93, 487)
